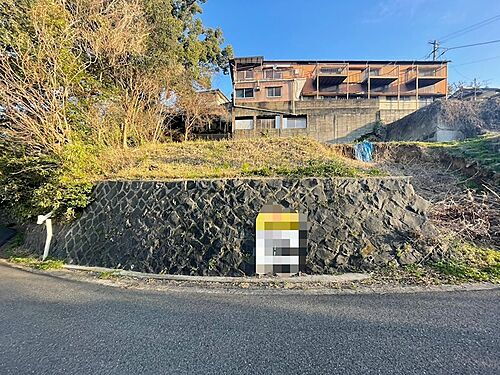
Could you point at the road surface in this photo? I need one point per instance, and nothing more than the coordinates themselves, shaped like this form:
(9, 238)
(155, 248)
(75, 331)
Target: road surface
(53, 326)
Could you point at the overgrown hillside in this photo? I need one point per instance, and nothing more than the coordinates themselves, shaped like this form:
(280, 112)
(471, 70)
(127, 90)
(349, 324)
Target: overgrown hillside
(296, 157)
(79, 77)
(466, 118)
(485, 151)
(65, 184)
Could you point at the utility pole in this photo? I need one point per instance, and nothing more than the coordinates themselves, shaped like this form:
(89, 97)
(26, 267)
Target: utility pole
(475, 89)
(435, 49)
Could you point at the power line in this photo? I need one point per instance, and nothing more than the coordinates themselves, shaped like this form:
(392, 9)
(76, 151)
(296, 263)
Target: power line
(474, 44)
(455, 69)
(478, 61)
(470, 28)
(468, 45)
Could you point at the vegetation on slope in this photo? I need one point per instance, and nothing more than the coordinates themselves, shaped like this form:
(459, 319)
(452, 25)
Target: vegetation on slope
(483, 150)
(294, 157)
(83, 76)
(65, 185)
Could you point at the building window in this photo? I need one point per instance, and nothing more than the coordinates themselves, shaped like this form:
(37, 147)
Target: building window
(243, 123)
(297, 122)
(273, 74)
(248, 74)
(244, 93)
(274, 92)
(264, 122)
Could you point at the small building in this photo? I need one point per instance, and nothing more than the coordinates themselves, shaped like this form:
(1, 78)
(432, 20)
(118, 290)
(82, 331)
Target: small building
(476, 93)
(332, 101)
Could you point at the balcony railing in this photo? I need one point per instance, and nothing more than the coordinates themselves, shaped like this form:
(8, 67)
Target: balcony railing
(389, 73)
(265, 74)
(421, 72)
(330, 70)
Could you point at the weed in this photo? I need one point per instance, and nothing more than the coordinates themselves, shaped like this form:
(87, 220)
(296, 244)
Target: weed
(49, 264)
(14, 247)
(212, 264)
(415, 270)
(107, 275)
(264, 157)
(464, 271)
(471, 262)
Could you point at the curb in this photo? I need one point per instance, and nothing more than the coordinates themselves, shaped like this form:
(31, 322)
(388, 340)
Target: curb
(343, 278)
(241, 281)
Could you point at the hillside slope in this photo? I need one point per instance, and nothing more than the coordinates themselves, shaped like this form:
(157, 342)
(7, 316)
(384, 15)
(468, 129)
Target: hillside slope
(294, 157)
(446, 120)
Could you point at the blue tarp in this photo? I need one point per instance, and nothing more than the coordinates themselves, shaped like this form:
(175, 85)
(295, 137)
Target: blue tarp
(364, 151)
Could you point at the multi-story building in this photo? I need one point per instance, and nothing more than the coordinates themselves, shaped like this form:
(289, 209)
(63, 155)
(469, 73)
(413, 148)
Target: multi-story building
(332, 101)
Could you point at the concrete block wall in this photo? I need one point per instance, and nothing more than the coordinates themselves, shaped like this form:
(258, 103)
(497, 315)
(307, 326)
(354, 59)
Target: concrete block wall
(332, 121)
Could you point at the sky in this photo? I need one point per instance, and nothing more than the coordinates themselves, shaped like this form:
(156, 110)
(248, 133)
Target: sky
(361, 29)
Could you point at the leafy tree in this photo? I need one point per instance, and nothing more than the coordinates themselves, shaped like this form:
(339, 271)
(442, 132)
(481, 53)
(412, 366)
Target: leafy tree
(81, 74)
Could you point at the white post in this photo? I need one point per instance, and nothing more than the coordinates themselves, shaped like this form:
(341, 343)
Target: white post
(48, 225)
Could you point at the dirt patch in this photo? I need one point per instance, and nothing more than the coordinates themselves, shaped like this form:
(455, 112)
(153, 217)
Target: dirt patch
(447, 119)
(465, 201)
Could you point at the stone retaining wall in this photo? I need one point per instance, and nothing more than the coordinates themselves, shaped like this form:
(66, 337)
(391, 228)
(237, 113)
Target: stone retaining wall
(207, 227)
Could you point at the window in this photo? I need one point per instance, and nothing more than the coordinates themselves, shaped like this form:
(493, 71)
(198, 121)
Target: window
(264, 122)
(273, 74)
(298, 122)
(244, 93)
(242, 123)
(248, 74)
(274, 92)
(427, 72)
(331, 70)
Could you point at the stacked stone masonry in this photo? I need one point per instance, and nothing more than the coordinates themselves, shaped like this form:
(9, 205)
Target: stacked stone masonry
(207, 227)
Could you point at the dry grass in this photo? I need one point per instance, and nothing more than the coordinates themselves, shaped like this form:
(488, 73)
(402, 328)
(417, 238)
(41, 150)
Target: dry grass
(219, 159)
(462, 207)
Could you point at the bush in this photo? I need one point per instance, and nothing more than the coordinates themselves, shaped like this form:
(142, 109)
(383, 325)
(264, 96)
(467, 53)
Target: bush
(33, 185)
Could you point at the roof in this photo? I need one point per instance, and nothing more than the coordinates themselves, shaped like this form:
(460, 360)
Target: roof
(223, 98)
(260, 59)
(251, 61)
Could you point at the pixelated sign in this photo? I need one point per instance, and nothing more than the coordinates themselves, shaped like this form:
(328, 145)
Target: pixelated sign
(281, 241)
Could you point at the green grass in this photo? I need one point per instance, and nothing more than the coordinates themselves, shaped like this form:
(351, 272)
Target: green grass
(49, 264)
(266, 157)
(107, 275)
(484, 150)
(316, 168)
(471, 262)
(464, 271)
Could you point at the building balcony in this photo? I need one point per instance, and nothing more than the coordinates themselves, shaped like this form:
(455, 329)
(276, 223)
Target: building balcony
(329, 75)
(424, 76)
(379, 77)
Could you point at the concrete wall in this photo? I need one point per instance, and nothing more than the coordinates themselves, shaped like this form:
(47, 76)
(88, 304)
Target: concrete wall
(207, 227)
(332, 121)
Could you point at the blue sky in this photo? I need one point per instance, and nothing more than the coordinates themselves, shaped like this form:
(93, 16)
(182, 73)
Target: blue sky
(361, 29)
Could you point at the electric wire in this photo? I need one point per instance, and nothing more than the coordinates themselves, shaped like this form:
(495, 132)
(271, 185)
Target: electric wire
(470, 28)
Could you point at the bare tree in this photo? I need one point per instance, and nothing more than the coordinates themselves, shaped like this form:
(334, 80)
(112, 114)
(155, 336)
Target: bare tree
(198, 110)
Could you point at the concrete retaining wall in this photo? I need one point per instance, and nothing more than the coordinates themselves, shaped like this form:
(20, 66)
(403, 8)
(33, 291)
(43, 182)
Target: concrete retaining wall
(332, 121)
(207, 227)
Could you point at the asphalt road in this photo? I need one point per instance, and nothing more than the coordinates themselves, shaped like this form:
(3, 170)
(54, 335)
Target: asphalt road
(54, 326)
